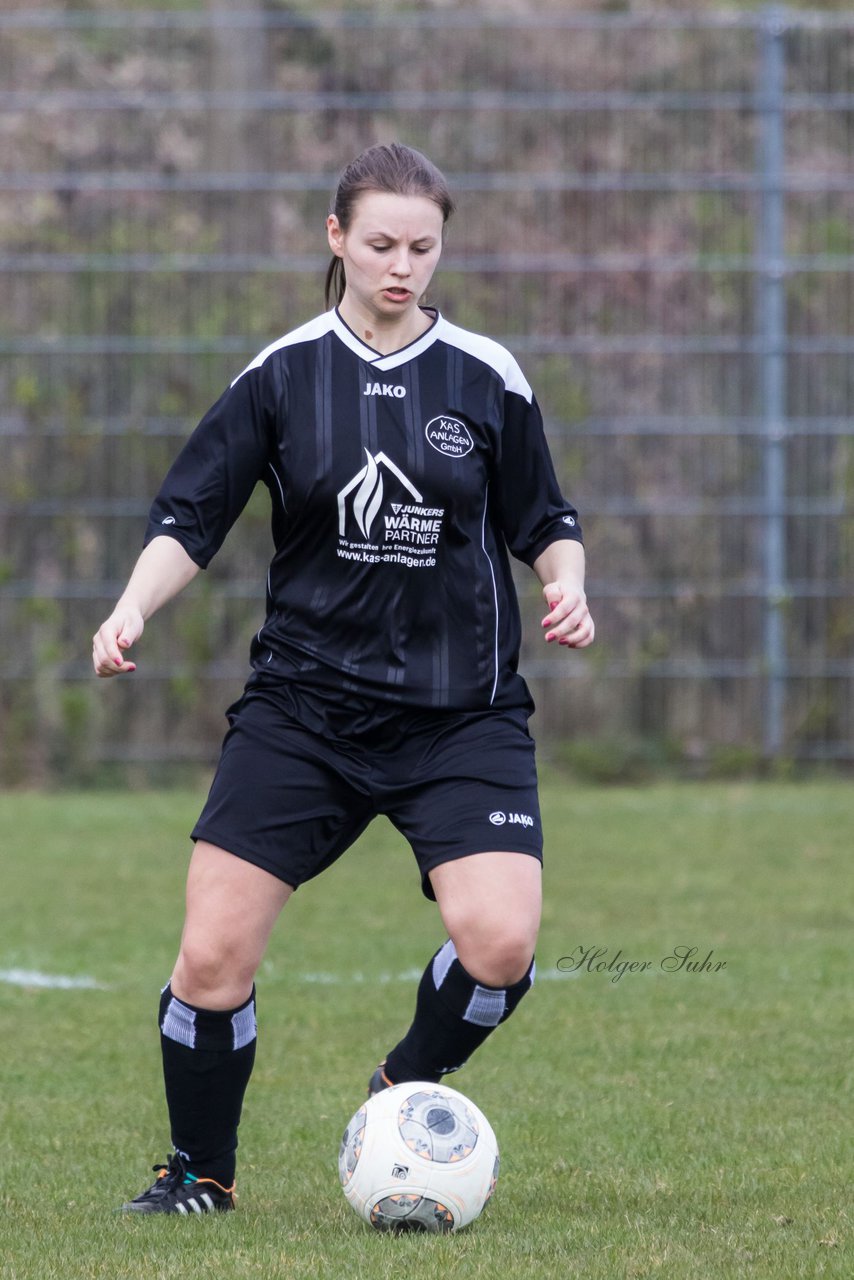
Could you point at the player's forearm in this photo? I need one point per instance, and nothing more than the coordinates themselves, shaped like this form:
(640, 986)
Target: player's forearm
(560, 569)
(160, 573)
(563, 561)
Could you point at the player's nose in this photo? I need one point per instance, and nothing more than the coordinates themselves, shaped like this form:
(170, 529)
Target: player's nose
(401, 265)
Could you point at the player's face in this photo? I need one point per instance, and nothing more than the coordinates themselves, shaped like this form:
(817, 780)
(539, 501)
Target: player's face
(390, 251)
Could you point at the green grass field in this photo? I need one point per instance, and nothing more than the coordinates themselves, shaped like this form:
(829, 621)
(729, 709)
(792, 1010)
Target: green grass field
(658, 1123)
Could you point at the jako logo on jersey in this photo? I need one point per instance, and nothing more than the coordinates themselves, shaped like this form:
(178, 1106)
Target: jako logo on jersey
(368, 498)
(570, 520)
(384, 389)
(518, 819)
(168, 520)
(449, 436)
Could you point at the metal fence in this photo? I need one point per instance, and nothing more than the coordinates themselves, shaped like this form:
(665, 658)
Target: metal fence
(655, 214)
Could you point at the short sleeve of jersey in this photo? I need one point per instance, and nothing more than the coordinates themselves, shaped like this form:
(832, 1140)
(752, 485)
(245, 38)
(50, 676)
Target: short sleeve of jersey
(534, 512)
(212, 479)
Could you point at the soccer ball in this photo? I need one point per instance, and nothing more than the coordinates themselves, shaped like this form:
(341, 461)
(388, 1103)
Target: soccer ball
(418, 1157)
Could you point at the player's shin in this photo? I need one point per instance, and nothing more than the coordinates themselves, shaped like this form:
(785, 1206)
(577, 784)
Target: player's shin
(208, 1057)
(454, 1014)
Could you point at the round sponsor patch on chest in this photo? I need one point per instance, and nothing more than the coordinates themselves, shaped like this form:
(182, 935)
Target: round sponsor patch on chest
(449, 436)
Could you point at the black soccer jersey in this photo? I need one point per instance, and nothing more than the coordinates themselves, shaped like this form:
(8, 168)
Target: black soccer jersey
(398, 483)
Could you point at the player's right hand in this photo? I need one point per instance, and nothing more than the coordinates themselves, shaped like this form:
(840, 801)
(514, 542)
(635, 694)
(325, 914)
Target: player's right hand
(112, 640)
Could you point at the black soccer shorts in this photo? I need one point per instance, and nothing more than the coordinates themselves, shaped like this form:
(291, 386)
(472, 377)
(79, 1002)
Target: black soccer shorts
(303, 772)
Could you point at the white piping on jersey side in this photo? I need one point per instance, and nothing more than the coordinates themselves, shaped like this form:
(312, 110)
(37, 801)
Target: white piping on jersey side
(269, 595)
(489, 352)
(494, 592)
(264, 623)
(279, 483)
(309, 332)
(269, 589)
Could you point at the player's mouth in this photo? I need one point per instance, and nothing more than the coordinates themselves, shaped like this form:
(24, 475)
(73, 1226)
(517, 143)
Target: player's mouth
(397, 294)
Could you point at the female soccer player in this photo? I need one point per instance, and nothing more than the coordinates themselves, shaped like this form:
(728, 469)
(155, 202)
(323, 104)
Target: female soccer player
(404, 457)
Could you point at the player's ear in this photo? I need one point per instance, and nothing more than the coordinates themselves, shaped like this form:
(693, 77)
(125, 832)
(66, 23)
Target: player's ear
(335, 235)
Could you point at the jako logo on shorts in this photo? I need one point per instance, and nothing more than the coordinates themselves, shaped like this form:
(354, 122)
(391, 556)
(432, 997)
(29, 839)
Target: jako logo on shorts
(498, 819)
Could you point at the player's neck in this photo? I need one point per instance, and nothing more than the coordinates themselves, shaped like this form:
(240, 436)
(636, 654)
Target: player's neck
(385, 334)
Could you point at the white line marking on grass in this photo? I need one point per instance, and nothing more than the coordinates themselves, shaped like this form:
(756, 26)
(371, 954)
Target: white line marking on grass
(53, 981)
(321, 979)
(316, 978)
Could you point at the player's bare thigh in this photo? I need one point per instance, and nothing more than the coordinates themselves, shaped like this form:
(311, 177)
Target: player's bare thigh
(491, 905)
(232, 906)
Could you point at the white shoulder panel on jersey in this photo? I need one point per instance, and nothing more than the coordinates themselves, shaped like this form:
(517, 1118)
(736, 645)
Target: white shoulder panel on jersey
(309, 332)
(490, 352)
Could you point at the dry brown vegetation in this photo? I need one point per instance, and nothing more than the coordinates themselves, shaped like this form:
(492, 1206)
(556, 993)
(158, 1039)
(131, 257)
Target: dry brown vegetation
(160, 222)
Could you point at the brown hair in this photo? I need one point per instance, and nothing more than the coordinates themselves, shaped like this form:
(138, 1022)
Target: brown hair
(389, 167)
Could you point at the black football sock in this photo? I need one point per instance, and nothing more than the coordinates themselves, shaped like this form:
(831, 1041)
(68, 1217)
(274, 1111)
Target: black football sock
(454, 1014)
(208, 1057)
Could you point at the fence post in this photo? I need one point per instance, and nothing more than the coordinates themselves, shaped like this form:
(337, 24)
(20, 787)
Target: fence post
(771, 327)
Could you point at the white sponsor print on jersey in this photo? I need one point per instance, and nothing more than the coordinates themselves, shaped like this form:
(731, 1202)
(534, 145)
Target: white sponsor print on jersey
(570, 520)
(449, 436)
(384, 389)
(498, 819)
(389, 532)
(168, 520)
(368, 498)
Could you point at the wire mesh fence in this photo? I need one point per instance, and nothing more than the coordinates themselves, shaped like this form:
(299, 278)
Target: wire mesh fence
(655, 215)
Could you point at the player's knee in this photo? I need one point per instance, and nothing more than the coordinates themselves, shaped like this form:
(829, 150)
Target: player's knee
(494, 942)
(211, 976)
(509, 966)
(499, 959)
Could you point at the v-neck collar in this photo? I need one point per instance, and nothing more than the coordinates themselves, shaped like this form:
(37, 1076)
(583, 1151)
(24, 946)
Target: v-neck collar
(396, 358)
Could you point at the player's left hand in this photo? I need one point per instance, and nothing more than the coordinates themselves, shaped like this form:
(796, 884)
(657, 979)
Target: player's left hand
(568, 620)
